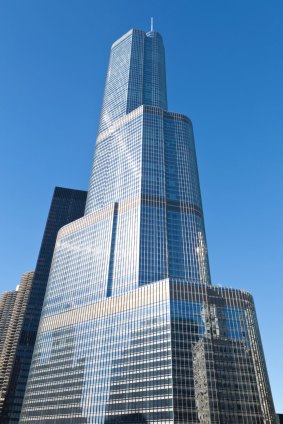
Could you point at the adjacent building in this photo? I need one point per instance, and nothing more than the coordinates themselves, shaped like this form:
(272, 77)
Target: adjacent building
(132, 330)
(7, 301)
(9, 363)
(67, 205)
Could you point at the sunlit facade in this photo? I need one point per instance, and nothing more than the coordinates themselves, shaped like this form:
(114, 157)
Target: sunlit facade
(132, 331)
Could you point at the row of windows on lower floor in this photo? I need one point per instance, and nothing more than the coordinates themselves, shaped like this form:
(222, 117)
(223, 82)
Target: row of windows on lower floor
(131, 418)
(181, 416)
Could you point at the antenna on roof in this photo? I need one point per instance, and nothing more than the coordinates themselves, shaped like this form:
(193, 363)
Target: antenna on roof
(151, 24)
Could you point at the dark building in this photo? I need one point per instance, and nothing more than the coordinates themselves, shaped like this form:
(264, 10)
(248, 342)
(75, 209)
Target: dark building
(280, 418)
(67, 205)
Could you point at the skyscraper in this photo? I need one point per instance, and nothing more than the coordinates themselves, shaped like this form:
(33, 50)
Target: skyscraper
(13, 328)
(66, 206)
(7, 301)
(132, 330)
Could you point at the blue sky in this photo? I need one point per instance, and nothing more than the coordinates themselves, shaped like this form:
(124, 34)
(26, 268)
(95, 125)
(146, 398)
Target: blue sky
(224, 70)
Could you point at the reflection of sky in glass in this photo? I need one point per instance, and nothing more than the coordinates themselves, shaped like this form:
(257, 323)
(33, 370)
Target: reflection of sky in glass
(235, 320)
(102, 345)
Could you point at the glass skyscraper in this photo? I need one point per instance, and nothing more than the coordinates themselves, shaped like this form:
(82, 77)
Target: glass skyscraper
(66, 206)
(132, 331)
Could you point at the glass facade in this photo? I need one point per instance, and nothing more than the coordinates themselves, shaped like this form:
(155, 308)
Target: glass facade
(66, 206)
(132, 329)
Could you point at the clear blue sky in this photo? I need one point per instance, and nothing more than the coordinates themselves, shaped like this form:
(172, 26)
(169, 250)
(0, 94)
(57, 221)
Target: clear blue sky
(224, 70)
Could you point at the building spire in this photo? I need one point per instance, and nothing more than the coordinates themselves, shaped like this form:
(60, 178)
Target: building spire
(151, 24)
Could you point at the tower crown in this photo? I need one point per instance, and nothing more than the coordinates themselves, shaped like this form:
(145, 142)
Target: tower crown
(136, 76)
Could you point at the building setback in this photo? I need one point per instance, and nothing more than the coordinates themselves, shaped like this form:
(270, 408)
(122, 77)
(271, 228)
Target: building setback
(67, 205)
(132, 331)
